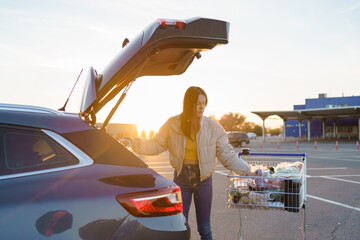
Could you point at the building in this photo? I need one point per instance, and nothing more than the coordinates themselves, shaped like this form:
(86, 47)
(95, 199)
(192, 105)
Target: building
(321, 118)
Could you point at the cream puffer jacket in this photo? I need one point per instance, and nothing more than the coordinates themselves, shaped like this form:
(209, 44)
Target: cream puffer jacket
(212, 143)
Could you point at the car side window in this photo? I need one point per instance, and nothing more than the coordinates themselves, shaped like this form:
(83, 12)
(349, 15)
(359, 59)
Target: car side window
(30, 150)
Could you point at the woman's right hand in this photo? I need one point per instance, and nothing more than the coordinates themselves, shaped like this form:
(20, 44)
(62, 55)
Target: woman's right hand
(131, 142)
(127, 141)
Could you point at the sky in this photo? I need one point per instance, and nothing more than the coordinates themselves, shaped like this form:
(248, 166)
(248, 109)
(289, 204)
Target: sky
(280, 52)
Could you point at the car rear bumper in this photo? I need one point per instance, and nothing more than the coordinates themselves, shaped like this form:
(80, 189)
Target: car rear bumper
(169, 227)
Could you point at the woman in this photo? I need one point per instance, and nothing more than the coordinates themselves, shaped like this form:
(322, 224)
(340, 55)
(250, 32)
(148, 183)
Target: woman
(194, 142)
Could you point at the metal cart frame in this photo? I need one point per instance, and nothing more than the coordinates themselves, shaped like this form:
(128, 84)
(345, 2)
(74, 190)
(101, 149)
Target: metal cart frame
(258, 196)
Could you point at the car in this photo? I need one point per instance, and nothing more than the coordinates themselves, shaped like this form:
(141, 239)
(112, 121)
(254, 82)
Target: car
(63, 176)
(252, 135)
(238, 138)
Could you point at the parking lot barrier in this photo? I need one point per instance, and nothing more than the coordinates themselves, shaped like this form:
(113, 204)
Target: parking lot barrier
(315, 145)
(357, 145)
(337, 145)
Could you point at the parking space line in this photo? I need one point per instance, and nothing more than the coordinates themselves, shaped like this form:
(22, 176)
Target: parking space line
(152, 167)
(337, 159)
(339, 179)
(222, 173)
(150, 162)
(333, 202)
(350, 175)
(165, 173)
(337, 168)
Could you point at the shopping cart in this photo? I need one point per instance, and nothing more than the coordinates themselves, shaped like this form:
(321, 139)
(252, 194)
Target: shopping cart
(279, 184)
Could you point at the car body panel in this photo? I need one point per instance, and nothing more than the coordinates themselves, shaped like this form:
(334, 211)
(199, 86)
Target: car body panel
(76, 192)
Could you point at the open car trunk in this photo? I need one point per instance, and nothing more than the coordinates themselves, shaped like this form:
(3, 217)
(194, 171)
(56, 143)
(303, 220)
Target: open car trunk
(165, 47)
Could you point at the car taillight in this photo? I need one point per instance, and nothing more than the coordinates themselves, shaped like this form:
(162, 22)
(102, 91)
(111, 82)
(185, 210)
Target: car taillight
(173, 23)
(162, 202)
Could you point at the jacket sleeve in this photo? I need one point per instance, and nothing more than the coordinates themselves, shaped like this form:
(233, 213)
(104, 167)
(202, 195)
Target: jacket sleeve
(155, 145)
(227, 155)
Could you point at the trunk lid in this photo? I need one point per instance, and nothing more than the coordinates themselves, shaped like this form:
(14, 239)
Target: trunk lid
(166, 47)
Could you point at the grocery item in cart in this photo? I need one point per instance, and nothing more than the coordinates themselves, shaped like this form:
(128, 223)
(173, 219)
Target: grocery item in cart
(275, 187)
(288, 170)
(260, 184)
(292, 195)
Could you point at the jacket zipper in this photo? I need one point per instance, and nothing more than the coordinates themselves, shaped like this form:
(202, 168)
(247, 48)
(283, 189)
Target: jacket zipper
(197, 150)
(183, 155)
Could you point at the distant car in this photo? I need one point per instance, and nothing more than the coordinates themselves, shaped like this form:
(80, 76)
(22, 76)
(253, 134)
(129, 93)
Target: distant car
(63, 177)
(238, 138)
(252, 135)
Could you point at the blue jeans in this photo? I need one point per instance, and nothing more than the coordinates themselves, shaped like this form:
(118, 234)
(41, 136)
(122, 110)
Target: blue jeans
(189, 183)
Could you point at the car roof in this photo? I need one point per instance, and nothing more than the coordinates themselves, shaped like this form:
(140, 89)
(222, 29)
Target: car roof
(40, 117)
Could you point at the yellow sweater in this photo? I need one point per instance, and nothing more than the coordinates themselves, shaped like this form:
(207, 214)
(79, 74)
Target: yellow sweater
(191, 156)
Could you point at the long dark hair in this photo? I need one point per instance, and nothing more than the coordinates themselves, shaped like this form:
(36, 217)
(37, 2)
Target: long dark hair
(188, 117)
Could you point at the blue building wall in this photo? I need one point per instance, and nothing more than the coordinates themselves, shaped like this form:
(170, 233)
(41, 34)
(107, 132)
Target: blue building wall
(292, 126)
(299, 107)
(312, 103)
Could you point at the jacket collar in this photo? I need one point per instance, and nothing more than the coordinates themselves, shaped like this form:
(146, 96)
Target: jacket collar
(175, 125)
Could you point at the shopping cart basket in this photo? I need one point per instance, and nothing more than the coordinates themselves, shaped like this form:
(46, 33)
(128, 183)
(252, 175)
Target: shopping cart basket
(279, 184)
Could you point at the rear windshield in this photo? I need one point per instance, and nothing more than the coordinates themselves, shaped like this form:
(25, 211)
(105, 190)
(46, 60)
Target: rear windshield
(104, 149)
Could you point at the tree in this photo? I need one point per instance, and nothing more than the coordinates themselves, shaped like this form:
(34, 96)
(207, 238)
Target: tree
(252, 127)
(236, 122)
(248, 127)
(257, 130)
(143, 134)
(274, 131)
(213, 117)
(232, 121)
(151, 134)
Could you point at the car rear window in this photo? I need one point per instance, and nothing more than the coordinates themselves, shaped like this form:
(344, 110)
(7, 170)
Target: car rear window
(104, 149)
(27, 149)
(235, 135)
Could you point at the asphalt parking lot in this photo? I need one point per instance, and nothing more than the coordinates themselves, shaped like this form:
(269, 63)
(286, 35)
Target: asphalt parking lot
(332, 200)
